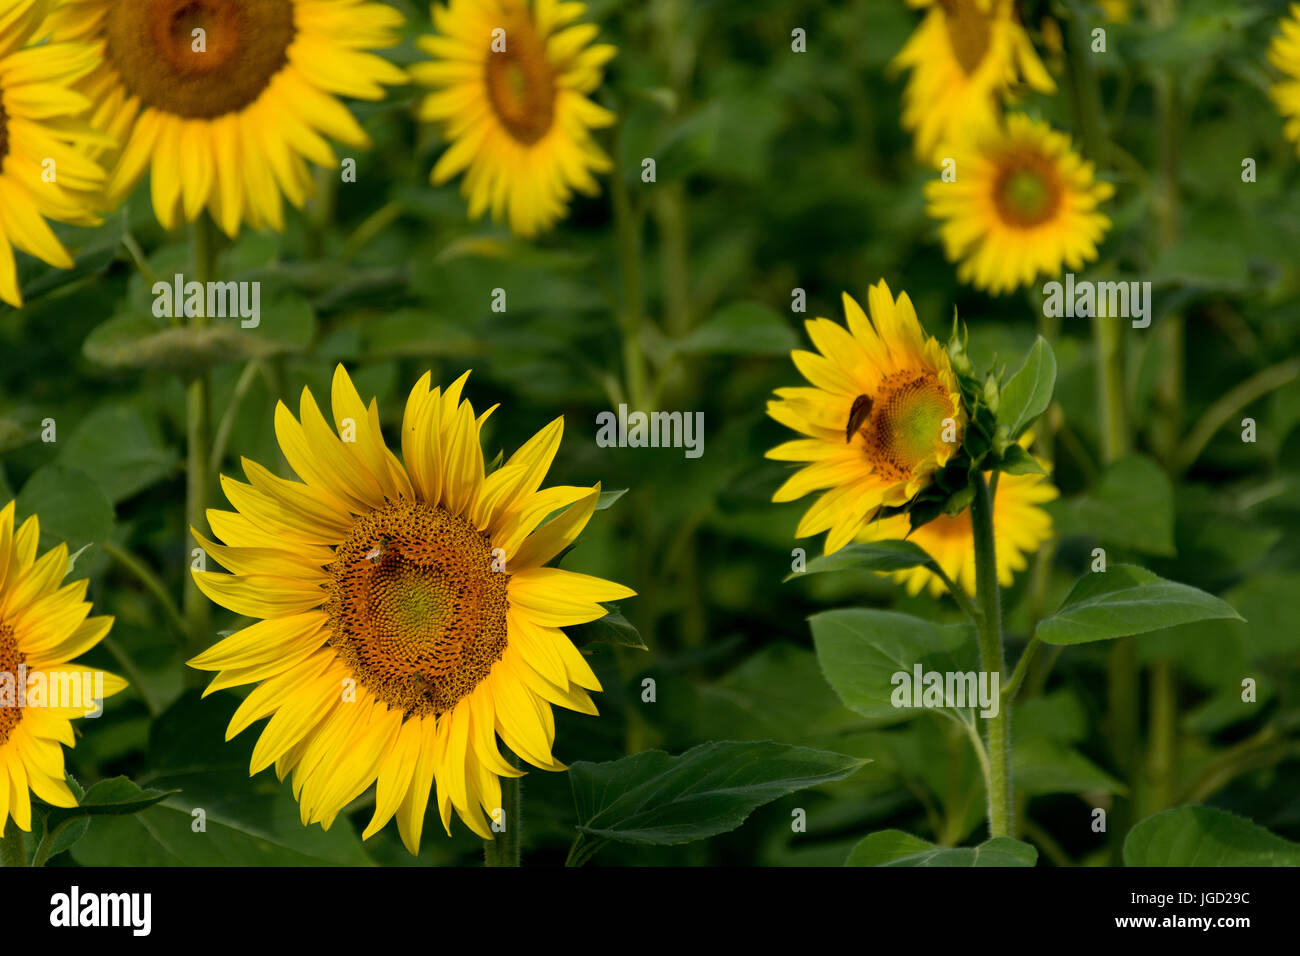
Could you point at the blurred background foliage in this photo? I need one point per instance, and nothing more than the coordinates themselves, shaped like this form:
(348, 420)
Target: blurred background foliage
(776, 170)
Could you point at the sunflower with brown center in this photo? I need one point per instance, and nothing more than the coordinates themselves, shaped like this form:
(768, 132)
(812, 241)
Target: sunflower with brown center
(967, 57)
(883, 413)
(1023, 205)
(226, 101)
(44, 170)
(512, 81)
(408, 618)
(43, 627)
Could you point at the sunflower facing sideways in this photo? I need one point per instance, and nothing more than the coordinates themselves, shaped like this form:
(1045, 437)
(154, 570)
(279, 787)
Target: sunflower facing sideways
(1021, 526)
(511, 80)
(43, 627)
(1023, 204)
(44, 172)
(226, 101)
(883, 413)
(966, 57)
(407, 615)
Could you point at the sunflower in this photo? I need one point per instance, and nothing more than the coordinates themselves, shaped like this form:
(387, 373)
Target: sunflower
(1284, 53)
(1021, 526)
(966, 57)
(44, 172)
(1022, 204)
(407, 616)
(512, 80)
(225, 101)
(883, 414)
(43, 626)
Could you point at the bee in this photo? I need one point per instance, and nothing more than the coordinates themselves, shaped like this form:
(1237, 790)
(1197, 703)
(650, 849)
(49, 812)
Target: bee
(376, 554)
(857, 415)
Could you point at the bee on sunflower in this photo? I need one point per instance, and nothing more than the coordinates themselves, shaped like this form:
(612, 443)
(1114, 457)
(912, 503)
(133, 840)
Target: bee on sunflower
(44, 626)
(512, 81)
(1022, 204)
(225, 102)
(44, 170)
(882, 414)
(408, 618)
(966, 58)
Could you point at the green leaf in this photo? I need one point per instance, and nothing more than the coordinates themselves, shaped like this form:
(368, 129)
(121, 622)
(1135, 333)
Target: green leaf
(1029, 392)
(653, 798)
(613, 628)
(1131, 506)
(607, 498)
(120, 449)
(868, 556)
(896, 848)
(1205, 836)
(1126, 600)
(63, 827)
(70, 505)
(1017, 461)
(860, 650)
(741, 328)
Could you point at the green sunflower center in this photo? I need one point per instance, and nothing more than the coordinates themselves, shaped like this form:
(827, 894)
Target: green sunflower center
(968, 32)
(906, 422)
(520, 82)
(416, 610)
(198, 58)
(1027, 191)
(11, 659)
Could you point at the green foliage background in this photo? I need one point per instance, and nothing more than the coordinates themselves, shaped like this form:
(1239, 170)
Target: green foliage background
(776, 170)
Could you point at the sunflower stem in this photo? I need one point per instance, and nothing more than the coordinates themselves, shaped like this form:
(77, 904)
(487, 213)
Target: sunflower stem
(503, 850)
(989, 630)
(13, 847)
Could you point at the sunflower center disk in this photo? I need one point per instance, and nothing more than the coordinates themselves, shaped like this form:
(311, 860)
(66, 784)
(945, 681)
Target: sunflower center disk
(416, 611)
(11, 659)
(521, 86)
(198, 58)
(968, 33)
(1027, 193)
(906, 423)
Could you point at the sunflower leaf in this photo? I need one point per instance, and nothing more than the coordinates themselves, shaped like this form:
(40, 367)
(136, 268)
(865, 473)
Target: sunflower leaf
(897, 848)
(868, 556)
(656, 799)
(1126, 600)
(613, 628)
(1205, 836)
(1029, 392)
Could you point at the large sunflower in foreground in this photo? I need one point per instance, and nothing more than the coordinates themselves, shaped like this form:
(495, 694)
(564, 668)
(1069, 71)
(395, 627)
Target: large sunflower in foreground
(43, 626)
(883, 414)
(225, 101)
(966, 57)
(1023, 205)
(1020, 527)
(512, 79)
(44, 173)
(1284, 53)
(408, 619)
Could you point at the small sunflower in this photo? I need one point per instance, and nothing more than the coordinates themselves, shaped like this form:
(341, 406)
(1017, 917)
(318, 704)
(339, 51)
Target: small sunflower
(512, 80)
(43, 626)
(407, 616)
(44, 172)
(883, 414)
(1020, 527)
(966, 58)
(1023, 204)
(1284, 53)
(225, 101)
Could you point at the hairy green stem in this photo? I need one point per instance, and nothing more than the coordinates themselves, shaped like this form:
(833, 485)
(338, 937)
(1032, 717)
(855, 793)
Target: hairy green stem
(503, 850)
(989, 629)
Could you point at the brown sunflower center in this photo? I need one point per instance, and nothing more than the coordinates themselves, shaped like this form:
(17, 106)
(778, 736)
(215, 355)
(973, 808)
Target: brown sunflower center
(1027, 190)
(198, 58)
(968, 32)
(906, 422)
(520, 82)
(416, 610)
(11, 659)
